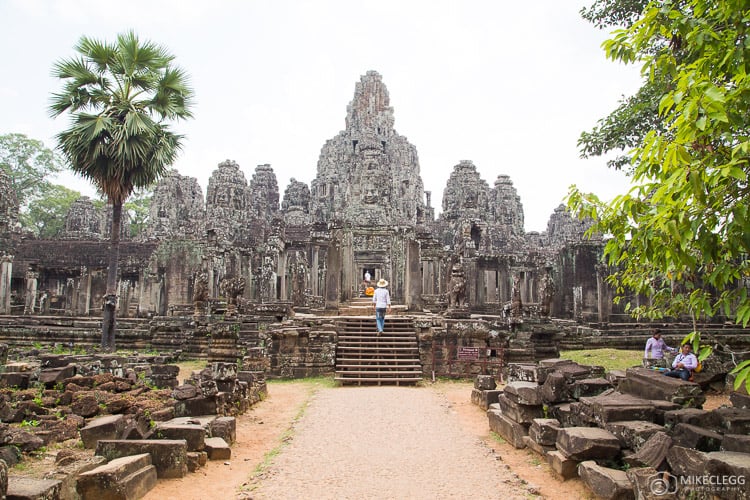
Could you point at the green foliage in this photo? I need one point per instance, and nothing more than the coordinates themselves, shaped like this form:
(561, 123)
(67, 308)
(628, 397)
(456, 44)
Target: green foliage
(28, 163)
(137, 209)
(121, 98)
(681, 235)
(29, 423)
(45, 215)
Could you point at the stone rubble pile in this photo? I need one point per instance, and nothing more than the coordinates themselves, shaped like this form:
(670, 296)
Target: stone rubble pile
(142, 423)
(633, 434)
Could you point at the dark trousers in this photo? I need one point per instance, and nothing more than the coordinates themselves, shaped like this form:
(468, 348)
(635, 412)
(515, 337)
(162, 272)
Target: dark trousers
(682, 373)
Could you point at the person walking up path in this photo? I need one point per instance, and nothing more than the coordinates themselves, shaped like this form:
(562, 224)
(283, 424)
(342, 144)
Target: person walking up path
(381, 302)
(384, 442)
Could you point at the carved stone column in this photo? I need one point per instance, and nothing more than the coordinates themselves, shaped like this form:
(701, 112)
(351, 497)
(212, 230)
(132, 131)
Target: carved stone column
(6, 270)
(32, 278)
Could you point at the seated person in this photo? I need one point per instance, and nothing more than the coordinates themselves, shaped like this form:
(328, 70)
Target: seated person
(653, 355)
(683, 364)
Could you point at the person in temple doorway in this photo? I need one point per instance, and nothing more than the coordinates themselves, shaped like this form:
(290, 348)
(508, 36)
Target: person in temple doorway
(381, 302)
(367, 278)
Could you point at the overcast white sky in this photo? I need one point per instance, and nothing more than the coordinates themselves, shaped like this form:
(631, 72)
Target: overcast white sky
(507, 85)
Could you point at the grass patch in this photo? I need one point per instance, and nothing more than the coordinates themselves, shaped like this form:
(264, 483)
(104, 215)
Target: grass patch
(610, 359)
(497, 437)
(324, 381)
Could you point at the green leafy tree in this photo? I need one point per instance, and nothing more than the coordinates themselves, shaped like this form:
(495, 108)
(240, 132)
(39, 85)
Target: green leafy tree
(121, 98)
(138, 211)
(46, 213)
(681, 234)
(29, 164)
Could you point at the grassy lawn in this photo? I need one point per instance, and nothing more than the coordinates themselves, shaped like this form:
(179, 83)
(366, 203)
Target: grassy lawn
(610, 359)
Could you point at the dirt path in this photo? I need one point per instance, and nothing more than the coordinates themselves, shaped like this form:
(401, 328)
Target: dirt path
(369, 442)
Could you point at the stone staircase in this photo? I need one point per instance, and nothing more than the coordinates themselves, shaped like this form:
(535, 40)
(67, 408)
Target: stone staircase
(362, 357)
(362, 306)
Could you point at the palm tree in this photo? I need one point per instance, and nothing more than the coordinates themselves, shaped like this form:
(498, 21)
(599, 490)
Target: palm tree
(120, 98)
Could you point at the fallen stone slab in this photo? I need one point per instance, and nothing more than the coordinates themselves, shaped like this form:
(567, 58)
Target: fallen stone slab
(523, 414)
(569, 415)
(217, 449)
(14, 379)
(125, 478)
(633, 433)
(484, 399)
(564, 467)
(544, 431)
(736, 442)
(539, 448)
(524, 372)
(730, 471)
(167, 455)
(201, 405)
(67, 473)
(650, 484)
(692, 436)
(524, 393)
(653, 453)
(224, 428)
(555, 389)
(26, 488)
(587, 443)
(650, 384)
(51, 376)
(733, 420)
(108, 427)
(739, 400)
(606, 483)
(661, 408)
(193, 434)
(509, 429)
(692, 416)
(590, 387)
(612, 406)
(485, 383)
(686, 461)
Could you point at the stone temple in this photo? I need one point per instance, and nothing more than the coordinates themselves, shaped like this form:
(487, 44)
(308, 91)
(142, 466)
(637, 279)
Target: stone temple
(476, 286)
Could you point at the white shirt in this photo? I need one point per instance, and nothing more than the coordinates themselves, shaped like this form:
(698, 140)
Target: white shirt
(381, 298)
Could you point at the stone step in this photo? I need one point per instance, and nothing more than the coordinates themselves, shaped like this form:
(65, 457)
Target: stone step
(124, 478)
(378, 380)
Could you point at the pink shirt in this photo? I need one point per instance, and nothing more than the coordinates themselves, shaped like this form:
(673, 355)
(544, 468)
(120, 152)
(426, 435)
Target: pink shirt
(688, 360)
(657, 348)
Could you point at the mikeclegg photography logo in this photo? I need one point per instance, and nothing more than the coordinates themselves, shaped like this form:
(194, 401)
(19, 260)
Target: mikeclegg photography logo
(664, 483)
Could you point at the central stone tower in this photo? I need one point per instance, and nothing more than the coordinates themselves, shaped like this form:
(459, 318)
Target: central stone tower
(369, 194)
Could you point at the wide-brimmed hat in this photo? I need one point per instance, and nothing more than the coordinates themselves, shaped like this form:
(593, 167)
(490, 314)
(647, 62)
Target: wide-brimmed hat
(382, 283)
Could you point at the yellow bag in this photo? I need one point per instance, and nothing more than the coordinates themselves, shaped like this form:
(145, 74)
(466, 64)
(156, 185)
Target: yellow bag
(369, 291)
(698, 367)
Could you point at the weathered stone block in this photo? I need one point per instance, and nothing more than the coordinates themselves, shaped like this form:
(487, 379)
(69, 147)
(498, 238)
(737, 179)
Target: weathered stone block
(225, 428)
(610, 484)
(193, 434)
(649, 384)
(523, 414)
(555, 389)
(564, 467)
(661, 408)
(732, 470)
(14, 379)
(587, 443)
(692, 436)
(125, 478)
(68, 470)
(51, 376)
(736, 442)
(692, 416)
(217, 449)
(167, 455)
(484, 399)
(522, 372)
(615, 407)
(589, 387)
(26, 488)
(185, 391)
(485, 383)
(648, 485)
(733, 420)
(108, 427)
(509, 429)
(539, 448)
(544, 431)
(202, 405)
(739, 400)
(524, 393)
(686, 461)
(652, 453)
(633, 433)
(196, 460)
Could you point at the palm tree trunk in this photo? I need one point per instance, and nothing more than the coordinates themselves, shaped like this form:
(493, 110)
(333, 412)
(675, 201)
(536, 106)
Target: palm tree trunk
(110, 299)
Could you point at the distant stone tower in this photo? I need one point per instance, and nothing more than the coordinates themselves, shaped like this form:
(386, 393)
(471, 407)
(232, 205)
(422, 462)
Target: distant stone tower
(368, 175)
(227, 203)
(84, 221)
(176, 208)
